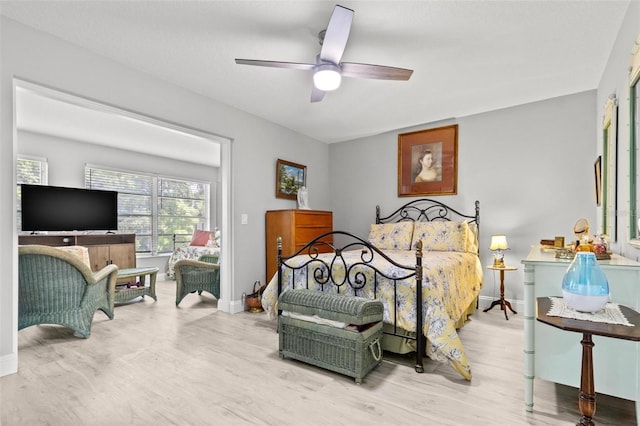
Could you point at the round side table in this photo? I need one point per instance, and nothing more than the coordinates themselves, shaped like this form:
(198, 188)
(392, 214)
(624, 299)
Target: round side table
(504, 304)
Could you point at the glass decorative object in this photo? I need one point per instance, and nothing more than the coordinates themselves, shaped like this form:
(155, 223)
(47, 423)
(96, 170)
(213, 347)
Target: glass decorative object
(585, 287)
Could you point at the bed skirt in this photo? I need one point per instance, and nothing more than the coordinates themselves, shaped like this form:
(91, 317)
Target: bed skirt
(400, 345)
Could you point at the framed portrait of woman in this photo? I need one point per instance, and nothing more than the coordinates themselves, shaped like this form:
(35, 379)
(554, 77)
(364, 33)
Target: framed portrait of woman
(428, 162)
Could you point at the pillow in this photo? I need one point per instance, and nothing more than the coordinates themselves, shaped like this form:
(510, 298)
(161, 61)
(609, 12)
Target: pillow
(443, 236)
(391, 236)
(80, 251)
(200, 237)
(472, 238)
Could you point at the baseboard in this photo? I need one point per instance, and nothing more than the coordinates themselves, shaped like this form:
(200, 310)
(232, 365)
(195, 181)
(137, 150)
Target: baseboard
(485, 301)
(8, 364)
(236, 306)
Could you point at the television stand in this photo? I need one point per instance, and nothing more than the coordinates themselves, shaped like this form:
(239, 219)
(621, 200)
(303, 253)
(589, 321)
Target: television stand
(104, 249)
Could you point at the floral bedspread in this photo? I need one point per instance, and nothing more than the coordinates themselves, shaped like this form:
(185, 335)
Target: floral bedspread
(188, 252)
(451, 282)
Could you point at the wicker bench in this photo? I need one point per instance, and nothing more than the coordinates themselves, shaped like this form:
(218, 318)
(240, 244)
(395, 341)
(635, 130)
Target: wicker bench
(350, 351)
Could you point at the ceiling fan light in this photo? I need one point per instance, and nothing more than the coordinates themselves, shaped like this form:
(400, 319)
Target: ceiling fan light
(326, 77)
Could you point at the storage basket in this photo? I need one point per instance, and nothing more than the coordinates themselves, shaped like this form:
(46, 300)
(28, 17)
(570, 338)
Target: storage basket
(346, 351)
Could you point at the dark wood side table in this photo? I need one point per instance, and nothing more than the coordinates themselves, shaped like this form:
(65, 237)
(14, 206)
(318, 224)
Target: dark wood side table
(504, 304)
(587, 396)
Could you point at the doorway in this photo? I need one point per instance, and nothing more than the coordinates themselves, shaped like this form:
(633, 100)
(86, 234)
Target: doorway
(66, 116)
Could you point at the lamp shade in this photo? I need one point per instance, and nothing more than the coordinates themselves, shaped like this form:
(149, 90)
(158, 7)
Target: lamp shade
(498, 242)
(326, 77)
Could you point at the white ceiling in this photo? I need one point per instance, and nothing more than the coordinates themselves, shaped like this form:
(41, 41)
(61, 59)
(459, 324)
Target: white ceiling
(467, 56)
(65, 116)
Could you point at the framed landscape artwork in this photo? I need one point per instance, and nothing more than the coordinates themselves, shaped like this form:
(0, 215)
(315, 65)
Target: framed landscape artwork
(428, 162)
(289, 178)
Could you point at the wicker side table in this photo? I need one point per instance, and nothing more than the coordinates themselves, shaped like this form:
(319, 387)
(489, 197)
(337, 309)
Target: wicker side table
(126, 294)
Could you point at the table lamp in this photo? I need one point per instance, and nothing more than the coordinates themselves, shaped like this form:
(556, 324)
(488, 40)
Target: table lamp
(498, 245)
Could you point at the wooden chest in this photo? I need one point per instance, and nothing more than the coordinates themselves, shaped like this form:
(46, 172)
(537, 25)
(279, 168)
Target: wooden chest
(353, 351)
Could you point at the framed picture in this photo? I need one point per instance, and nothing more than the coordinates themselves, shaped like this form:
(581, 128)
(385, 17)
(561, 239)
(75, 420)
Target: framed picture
(598, 174)
(289, 178)
(428, 162)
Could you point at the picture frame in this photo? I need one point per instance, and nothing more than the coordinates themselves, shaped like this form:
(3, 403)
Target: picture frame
(290, 177)
(597, 166)
(428, 162)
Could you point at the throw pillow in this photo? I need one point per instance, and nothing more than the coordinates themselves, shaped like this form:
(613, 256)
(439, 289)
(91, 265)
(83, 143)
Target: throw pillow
(200, 238)
(472, 238)
(442, 236)
(391, 236)
(80, 251)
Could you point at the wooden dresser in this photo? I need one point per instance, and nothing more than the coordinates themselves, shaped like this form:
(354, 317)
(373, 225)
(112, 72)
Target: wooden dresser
(297, 228)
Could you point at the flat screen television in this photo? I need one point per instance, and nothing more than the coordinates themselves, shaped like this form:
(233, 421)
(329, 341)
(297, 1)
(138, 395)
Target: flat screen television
(55, 208)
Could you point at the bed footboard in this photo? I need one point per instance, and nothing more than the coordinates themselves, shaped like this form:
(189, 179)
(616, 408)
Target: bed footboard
(353, 266)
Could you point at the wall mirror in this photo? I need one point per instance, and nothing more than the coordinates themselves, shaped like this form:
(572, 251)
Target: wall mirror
(634, 132)
(609, 217)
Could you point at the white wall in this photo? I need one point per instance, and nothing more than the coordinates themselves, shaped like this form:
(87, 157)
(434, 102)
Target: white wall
(256, 145)
(530, 166)
(615, 80)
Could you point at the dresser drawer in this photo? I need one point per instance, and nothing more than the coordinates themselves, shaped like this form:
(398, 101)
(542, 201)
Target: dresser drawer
(314, 219)
(304, 235)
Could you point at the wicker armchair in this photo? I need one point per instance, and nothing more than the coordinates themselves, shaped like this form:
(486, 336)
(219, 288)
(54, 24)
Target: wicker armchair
(197, 275)
(56, 287)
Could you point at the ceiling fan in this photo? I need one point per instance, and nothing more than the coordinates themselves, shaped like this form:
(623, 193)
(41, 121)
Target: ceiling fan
(328, 70)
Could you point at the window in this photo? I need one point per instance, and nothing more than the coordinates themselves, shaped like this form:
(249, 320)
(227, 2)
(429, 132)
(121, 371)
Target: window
(29, 170)
(153, 207)
(633, 143)
(634, 134)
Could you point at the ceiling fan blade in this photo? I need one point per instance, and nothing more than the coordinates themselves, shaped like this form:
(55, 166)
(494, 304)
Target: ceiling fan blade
(317, 94)
(381, 72)
(334, 41)
(276, 64)
(336, 35)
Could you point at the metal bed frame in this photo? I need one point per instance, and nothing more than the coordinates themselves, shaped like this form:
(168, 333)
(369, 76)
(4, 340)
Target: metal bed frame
(320, 270)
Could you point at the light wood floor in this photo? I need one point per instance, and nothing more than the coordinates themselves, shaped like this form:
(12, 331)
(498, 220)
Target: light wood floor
(156, 364)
